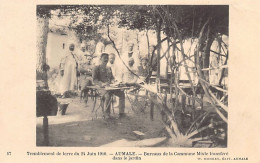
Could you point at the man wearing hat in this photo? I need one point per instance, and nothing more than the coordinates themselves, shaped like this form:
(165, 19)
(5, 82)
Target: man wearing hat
(102, 77)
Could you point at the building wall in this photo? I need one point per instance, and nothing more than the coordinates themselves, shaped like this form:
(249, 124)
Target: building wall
(55, 50)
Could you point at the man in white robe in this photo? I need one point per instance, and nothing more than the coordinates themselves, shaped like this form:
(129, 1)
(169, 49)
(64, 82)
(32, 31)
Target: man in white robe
(68, 70)
(115, 67)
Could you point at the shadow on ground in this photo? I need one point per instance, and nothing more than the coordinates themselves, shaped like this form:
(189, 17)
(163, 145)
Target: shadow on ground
(76, 128)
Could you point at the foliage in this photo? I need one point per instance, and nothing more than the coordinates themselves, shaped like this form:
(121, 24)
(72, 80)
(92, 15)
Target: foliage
(137, 17)
(190, 19)
(86, 20)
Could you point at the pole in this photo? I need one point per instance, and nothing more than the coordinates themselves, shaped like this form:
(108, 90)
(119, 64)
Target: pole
(45, 131)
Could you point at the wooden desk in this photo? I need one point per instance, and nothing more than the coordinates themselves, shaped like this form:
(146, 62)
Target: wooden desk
(99, 95)
(107, 88)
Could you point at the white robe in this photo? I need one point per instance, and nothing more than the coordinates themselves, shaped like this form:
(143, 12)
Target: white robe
(117, 70)
(69, 79)
(129, 77)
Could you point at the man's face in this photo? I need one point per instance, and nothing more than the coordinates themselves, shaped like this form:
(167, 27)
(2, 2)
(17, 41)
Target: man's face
(71, 47)
(130, 47)
(89, 59)
(112, 59)
(130, 54)
(91, 48)
(131, 63)
(144, 62)
(104, 59)
(83, 48)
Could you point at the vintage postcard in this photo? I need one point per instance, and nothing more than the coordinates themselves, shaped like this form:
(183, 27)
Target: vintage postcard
(130, 81)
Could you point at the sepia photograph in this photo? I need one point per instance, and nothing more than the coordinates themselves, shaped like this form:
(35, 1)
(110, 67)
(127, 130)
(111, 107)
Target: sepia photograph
(139, 81)
(132, 76)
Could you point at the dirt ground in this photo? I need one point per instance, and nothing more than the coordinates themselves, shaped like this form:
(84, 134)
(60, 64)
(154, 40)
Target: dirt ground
(76, 127)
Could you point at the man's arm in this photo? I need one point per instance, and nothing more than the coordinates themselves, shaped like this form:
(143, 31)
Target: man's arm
(112, 78)
(95, 76)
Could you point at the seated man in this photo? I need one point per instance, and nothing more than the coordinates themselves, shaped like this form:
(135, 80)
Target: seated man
(102, 76)
(143, 70)
(85, 70)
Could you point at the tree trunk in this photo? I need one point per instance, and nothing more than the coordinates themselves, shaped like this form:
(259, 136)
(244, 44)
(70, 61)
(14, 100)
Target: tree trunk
(148, 43)
(42, 35)
(159, 26)
(206, 53)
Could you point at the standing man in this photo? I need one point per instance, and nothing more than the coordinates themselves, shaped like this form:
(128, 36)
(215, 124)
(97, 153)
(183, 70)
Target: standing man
(113, 64)
(130, 54)
(117, 73)
(82, 52)
(68, 71)
(102, 76)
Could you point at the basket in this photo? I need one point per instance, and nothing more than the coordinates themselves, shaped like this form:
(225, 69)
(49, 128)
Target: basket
(62, 108)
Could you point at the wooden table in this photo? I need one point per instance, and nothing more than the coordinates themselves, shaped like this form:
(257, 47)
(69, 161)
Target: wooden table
(97, 94)
(107, 88)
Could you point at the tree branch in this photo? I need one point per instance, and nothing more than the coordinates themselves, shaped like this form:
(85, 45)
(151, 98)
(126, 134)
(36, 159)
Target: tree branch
(218, 53)
(206, 89)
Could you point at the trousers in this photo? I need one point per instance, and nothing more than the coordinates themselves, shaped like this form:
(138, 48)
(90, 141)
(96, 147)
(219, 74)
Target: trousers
(108, 98)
